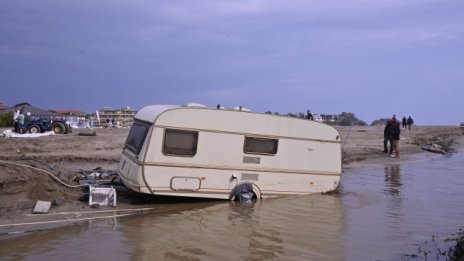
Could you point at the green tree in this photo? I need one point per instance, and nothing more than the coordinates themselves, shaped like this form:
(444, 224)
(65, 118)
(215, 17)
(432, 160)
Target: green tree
(348, 119)
(6, 119)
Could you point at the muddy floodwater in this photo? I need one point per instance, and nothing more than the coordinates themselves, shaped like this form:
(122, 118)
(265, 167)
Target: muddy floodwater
(382, 212)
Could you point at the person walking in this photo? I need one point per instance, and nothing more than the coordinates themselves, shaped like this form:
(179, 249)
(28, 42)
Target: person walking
(396, 139)
(404, 122)
(388, 137)
(409, 122)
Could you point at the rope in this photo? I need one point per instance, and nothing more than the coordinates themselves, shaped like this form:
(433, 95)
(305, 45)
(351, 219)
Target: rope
(67, 220)
(92, 212)
(41, 170)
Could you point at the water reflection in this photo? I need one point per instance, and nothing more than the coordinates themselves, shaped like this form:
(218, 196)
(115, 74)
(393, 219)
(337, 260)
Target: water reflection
(393, 180)
(91, 240)
(394, 203)
(172, 232)
(303, 228)
(34, 243)
(258, 240)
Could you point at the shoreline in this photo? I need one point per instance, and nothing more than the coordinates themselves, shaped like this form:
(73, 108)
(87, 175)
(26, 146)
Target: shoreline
(364, 144)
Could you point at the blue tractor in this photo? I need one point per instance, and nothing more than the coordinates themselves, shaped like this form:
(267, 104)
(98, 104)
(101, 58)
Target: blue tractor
(39, 125)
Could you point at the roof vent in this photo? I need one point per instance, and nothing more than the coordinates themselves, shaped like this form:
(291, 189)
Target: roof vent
(193, 104)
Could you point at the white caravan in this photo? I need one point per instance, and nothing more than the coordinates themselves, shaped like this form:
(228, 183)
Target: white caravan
(219, 153)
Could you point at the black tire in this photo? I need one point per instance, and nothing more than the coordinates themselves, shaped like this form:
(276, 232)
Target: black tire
(34, 129)
(245, 192)
(58, 128)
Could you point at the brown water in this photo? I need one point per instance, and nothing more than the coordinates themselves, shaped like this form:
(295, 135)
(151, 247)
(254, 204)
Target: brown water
(381, 213)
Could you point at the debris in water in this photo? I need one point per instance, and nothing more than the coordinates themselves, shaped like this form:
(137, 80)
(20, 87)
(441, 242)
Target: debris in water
(102, 196)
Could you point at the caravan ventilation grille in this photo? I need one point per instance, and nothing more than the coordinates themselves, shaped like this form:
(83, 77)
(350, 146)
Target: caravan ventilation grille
(253, 160)
(247, 176)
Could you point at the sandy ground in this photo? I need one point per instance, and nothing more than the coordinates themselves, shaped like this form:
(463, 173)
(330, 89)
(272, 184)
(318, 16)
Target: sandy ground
(65, 155)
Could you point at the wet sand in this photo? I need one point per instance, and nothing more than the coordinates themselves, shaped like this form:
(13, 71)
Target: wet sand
(364, 145)
(64, 155)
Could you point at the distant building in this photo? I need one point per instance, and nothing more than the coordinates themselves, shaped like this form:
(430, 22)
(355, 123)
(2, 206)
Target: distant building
(3, 106)
(125, 116)
(317, 117)
(328, 118)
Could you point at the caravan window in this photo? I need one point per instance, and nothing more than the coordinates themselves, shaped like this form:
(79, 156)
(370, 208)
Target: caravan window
(180, 142)
(260, 145)
(137, 136)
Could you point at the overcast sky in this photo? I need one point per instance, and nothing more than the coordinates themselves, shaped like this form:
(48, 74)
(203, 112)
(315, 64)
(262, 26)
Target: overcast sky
(373, 58)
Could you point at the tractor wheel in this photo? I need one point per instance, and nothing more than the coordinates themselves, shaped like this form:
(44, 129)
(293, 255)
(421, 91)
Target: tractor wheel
(34, 129)
(58, 127)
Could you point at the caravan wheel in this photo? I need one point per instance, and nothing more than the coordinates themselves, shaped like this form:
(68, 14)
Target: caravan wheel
(245, 192)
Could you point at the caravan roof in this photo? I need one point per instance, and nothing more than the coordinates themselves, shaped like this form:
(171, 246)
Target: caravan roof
(151, 112)
(236, 121)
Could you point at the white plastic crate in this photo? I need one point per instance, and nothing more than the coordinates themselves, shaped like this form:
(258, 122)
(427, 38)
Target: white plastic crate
(102, 196)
